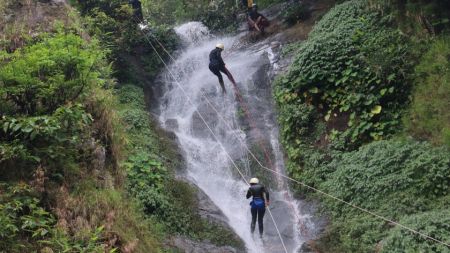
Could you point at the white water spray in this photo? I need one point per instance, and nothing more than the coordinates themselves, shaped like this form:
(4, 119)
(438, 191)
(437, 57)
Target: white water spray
(207, 164)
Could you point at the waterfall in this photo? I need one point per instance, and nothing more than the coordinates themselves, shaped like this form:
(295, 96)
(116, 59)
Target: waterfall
(208, 165)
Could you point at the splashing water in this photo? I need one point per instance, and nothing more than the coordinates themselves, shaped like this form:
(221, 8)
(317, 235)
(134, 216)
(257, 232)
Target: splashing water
(208, 166)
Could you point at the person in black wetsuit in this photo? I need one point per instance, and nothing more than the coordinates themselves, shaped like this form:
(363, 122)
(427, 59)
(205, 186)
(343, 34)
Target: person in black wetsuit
(216, 65)
(258, 204)
(137, 7)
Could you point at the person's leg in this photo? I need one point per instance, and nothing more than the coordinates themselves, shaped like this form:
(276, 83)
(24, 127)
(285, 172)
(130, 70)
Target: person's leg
(260, 23)
(254, 212)
(216, 72)
(261, 213)
(253, 23)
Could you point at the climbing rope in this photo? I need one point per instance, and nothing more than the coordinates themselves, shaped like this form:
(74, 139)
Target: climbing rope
(275, 172)
(213, 134)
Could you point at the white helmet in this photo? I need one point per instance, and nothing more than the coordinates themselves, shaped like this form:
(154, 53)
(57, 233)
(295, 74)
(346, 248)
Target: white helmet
(220, 45)
(254, 181)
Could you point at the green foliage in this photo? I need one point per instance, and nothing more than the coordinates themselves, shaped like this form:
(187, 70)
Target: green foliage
(217, 14)
(353, 70)
(266, 3)
(419, 17)
(429, 117)
(295, 12)
(115, 24)
(24, 225)
(48, 138)
(39, 78)
(396, 167)
(394, 179)
(43, 87)
(349, 85)
(434, 223)
(145, 170)
(120, 214)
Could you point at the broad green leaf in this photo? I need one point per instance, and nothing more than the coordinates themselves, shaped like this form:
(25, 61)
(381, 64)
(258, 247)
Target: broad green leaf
(376, 109)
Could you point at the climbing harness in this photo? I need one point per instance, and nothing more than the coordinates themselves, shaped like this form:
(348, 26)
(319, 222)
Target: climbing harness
(273, 171)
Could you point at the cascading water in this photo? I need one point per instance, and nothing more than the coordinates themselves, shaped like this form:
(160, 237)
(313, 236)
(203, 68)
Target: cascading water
(208, 165)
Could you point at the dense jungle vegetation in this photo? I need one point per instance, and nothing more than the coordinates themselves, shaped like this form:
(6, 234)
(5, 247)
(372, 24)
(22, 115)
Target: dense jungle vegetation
(364, 116)
(84, 168)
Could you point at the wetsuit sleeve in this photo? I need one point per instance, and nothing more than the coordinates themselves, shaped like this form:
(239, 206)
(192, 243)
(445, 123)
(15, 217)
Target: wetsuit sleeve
(219, 56)
(249, 193)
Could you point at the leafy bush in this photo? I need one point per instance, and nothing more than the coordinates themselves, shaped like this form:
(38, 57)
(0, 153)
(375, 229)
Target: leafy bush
(24, 225)
(47, 138)
(295, 13)
(429, 117)
(419, 17)
(378, 171)
(39, 78)
(352, 69)
(115, 25)
(217, 14)
(349, 84)
(394, 179)
(434, 223)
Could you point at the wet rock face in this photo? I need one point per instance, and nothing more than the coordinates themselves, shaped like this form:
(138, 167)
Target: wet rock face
(190, 246)
(198, 126)
(208, 210)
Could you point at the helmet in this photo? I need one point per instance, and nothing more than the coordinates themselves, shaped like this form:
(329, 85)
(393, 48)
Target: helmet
(254, 181)
(220, 45)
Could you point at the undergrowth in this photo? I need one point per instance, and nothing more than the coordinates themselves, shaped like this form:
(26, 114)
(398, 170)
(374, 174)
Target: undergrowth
(429, 117)
(344, 108)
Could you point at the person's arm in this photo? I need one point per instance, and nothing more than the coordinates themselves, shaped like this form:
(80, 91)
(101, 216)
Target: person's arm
(266, 196)
(220, 59)
(249, 193)
(258, 20)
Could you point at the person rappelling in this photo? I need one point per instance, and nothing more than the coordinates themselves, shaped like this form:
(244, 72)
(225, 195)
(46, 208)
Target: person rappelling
(217, 65)
(258, 204)
(255, 20)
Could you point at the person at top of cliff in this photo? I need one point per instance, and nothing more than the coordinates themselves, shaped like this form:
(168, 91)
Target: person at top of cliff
(137, 9)
(217, 65)
(247, 3)
(255, 20)
(258, 205)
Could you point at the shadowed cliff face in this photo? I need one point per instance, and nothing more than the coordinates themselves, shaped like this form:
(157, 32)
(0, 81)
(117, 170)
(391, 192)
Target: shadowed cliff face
(195, 97)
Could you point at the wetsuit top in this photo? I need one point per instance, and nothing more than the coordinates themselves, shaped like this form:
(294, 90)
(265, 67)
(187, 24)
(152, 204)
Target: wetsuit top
(215, 58)
(257, 190)
(254, 14)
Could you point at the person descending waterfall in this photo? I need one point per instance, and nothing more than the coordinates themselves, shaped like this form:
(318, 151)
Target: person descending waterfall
(256, 21)
(258, 204)
(216, 65)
